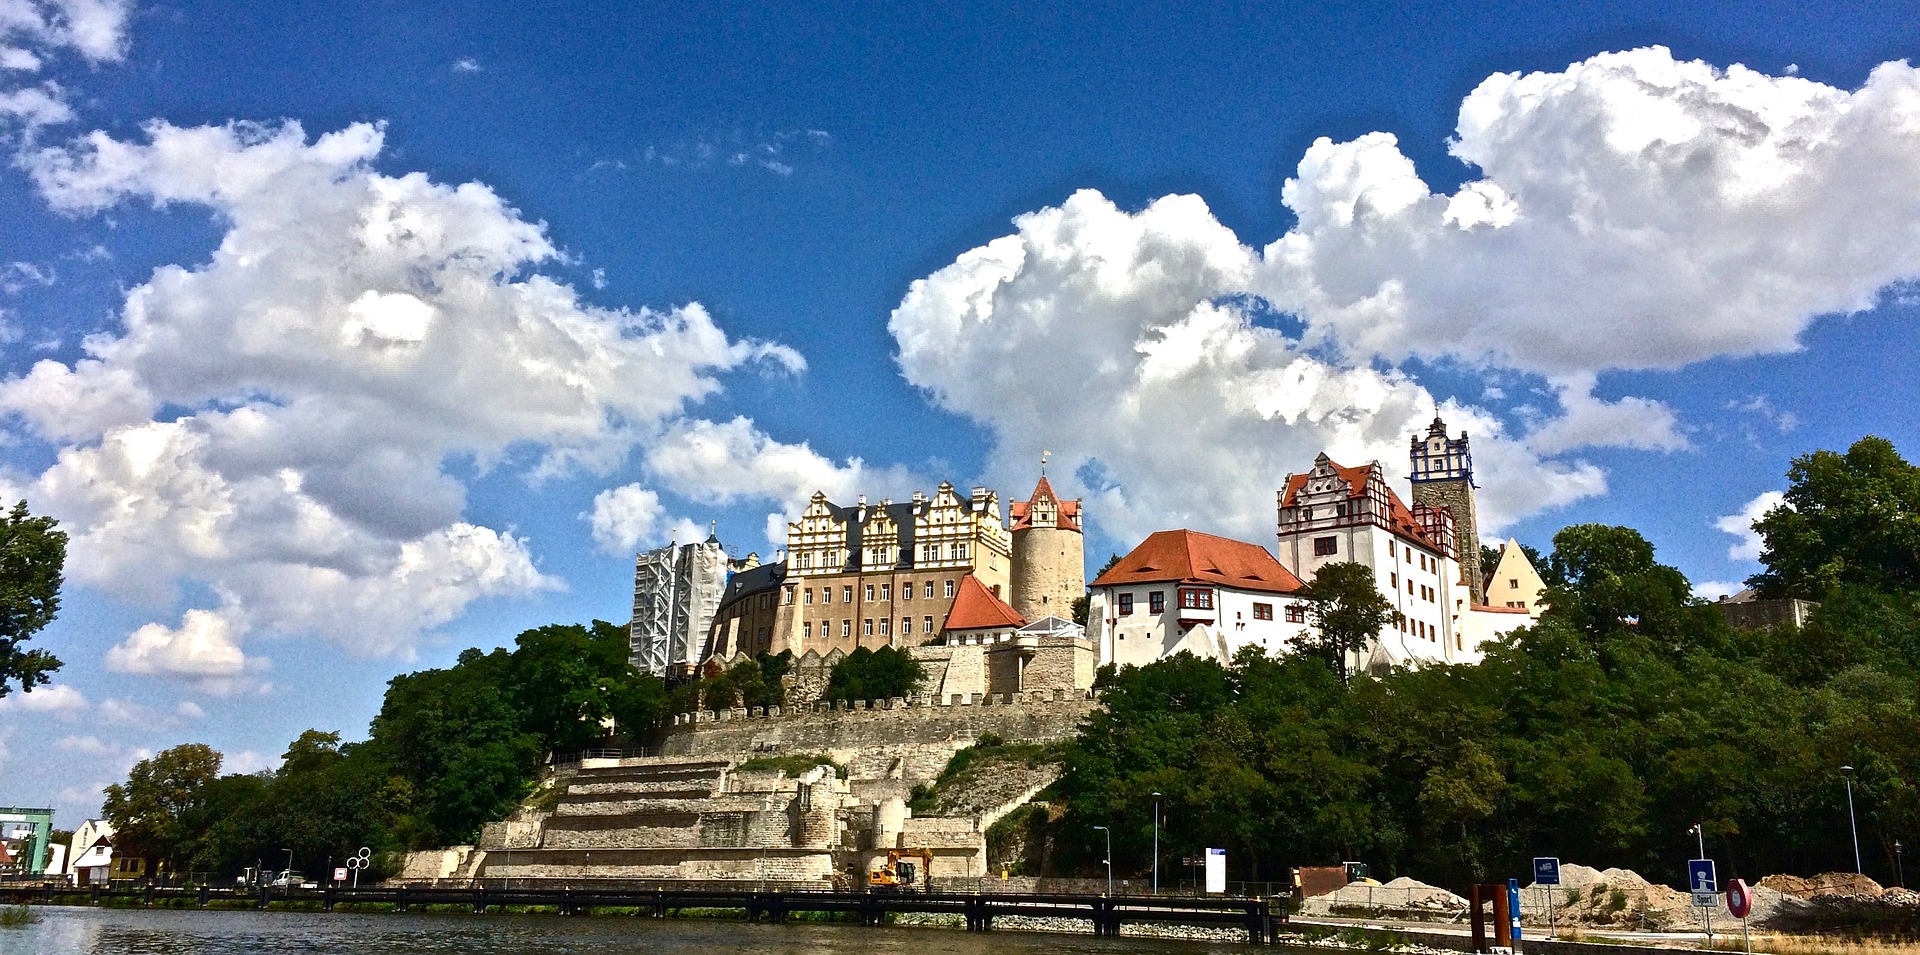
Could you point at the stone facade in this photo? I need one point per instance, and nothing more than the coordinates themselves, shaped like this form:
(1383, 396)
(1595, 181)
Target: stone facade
(1442, 478)
(1049, 554)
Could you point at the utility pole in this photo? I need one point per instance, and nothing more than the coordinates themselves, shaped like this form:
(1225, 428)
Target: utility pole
(1852, 823)
(1156, 843)
(1109, 834)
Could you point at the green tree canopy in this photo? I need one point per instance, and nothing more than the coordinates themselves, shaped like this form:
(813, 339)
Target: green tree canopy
(33, 553)
(160, 809)
(875, 675)
(1848, 519)
(1347, 611)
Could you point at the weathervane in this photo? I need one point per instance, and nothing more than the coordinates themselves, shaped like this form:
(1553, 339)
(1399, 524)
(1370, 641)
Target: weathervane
(1043, 462)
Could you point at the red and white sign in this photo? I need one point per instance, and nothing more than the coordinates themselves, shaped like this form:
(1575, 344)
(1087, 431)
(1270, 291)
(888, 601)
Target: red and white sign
(340, 874)
(1739, 898)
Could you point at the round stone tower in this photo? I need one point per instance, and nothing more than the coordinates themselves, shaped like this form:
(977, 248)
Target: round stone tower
(1049, 555)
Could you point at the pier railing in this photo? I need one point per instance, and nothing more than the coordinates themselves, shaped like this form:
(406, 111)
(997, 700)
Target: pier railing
(1258, 917)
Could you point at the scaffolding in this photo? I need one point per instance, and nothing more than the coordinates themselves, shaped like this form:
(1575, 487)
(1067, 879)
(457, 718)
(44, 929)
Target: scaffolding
(676, 591)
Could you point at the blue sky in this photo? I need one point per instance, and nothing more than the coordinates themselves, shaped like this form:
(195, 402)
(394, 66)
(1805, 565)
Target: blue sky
(340, 418)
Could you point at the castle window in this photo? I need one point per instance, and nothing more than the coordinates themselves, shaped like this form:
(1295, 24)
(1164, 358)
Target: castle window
(929, 590)
(1157, 602)
(846, 594)
(826, 595)
(906, 625)
(806, 631)
(1126, 605)
(1513, 582)
(885, 622)
(869, 591)
(886, 591)
(1296, 613)
(846, 628)
(949, 588)
(1326, 546)
(807, 597)
(959, 552)
(1263, 611)
(1196, 599)
(866, 627)
(1393, 581)
(766, 600)
(1390, 549)
(927, 623)
(906, 590)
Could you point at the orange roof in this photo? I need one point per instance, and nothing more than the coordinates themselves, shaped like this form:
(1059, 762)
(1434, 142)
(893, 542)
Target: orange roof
(1192, 557)
(1398, 515)
(976, 608)
(1066, 516)
(1489, 608)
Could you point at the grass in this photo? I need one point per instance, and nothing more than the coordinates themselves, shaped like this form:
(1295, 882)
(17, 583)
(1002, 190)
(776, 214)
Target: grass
(1813, 945)
(18, 916)
(793, 765)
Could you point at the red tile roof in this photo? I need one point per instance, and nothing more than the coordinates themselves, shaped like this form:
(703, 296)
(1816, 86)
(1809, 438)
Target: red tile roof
(1192, 557)
(1066, 516)
(1398, 515)
(976, 608)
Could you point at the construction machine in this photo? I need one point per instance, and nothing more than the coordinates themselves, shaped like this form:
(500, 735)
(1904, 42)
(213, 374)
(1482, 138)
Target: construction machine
(901, 871)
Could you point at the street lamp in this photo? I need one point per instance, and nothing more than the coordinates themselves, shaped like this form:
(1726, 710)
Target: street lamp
(1852, 823)
(1697, 831)
(1109, 833)
(1156, 843)
(1900, 863)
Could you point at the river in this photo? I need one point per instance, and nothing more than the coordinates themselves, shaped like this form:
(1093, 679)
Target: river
(75, 930)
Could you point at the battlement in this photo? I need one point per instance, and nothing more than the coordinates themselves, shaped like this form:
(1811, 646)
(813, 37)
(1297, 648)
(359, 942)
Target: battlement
(1075, 699)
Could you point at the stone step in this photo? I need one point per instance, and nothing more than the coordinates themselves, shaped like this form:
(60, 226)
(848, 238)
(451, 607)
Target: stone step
(628, 790)
(619, 807)
(706, 769)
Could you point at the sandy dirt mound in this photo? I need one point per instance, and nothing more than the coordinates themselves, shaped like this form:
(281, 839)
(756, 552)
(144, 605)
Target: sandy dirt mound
(1615, 898)
(1401, 896)
(1851, 885)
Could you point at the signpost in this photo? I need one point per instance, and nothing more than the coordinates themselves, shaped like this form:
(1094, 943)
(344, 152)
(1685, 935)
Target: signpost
(1216, 870)
(1740, 903)
(356, 862)
(1546, 871)
(1513, 913)
(1706, 890)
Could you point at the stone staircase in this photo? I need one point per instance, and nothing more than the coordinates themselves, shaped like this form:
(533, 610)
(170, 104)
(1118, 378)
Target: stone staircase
(672, 818)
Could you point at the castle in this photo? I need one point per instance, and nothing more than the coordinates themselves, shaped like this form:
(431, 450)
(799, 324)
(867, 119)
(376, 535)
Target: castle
(940, 569)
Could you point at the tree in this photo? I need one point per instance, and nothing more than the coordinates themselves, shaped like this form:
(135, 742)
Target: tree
(875, 675)
(160, 808)
(1347, 610)
(33, 552)
(1850, 518)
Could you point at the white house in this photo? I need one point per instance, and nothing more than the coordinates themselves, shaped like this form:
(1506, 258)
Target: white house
(90, 854)
(1186, 591)
(1334, 513)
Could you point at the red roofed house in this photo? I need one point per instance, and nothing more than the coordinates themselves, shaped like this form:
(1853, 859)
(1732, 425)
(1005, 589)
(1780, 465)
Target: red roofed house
(1184, 591)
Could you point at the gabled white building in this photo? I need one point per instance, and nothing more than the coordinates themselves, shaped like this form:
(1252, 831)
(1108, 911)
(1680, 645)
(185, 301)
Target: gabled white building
(1184, 591)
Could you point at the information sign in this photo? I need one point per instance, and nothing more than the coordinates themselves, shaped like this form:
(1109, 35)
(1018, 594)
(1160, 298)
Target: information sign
(1546, 870)
(1700, 877)
(1216, 870)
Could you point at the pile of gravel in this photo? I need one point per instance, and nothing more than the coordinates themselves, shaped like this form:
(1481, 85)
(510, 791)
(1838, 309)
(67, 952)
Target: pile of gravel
(1404, 897)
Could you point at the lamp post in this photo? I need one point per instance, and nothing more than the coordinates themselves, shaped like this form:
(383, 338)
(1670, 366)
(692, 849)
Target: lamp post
(1156, 843)
(1109, 833)
(1900, 863)
(1852, 823)
(1698, 830)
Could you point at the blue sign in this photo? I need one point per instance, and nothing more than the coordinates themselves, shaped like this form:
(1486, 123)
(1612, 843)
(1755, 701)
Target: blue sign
(1546, 870)
(1513, 909)
(1700, 877)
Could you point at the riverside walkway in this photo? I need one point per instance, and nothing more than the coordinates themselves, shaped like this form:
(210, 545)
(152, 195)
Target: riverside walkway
(1260, 918)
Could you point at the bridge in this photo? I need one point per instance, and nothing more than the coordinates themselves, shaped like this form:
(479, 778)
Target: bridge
(1260, 918)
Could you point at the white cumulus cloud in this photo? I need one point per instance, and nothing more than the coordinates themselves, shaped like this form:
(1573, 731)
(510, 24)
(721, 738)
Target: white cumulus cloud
(1633, 211)
(1741, 525)
(55, 699)
(1128, 344)
(274, 425)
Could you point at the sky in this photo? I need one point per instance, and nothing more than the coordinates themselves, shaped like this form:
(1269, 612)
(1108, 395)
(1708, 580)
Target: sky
(341, 337)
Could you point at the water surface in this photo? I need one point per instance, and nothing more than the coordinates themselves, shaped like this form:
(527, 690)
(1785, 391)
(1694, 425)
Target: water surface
(85, 931)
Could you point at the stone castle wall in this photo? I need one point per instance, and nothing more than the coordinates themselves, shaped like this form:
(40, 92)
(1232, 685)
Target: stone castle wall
(916, 728)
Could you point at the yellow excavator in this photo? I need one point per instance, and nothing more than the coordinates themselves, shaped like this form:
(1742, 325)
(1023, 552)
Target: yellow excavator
(901, 872)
